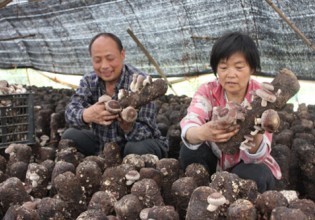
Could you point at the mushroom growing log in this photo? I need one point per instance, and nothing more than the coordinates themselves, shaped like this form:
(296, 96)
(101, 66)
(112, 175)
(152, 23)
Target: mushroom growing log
(241, 209)
(12, 192)
(148, 93)
(143, 91)
(128, 207)
(285, 86)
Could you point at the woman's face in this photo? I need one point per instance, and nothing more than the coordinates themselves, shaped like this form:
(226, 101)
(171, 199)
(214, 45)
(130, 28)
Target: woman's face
(234, 74)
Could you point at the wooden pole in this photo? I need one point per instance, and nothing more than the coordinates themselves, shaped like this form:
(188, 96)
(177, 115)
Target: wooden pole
(151, 59)
(17, 37)
(28, 77)
(4, 3)
(206, 38)
(54, 79)
(304, 38)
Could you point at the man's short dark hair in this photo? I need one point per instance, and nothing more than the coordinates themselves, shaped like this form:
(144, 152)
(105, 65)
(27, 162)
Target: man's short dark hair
(231, 43)
(110, 35)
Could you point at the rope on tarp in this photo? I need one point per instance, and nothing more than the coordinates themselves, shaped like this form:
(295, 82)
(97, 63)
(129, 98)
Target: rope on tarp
(55, 79)
(4, 3)
(151, 59)
(290, 23)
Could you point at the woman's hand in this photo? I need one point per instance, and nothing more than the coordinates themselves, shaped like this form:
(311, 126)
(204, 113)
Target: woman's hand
(97, 114)
(211, 131)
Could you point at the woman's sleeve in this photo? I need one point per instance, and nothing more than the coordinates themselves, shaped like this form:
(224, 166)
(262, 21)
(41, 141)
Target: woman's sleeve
(198, 113)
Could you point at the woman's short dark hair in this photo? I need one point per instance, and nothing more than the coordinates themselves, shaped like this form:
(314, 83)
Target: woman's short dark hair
(231, 43)
(110, 35)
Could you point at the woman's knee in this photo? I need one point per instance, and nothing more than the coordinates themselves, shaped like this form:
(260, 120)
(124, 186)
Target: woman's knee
(203, 155)
(260, 173)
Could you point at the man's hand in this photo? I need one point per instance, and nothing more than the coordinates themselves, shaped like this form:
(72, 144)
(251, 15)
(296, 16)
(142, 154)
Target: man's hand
(97, 114)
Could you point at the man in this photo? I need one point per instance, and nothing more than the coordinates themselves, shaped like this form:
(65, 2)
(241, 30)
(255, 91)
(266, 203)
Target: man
(109, 76)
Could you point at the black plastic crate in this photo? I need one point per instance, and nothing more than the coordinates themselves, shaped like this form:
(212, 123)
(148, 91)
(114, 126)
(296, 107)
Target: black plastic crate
(17, 119)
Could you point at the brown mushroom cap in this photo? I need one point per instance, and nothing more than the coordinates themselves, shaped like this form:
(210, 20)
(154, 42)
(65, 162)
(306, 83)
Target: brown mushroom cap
(113, 106)
(129, 114)
(104, 98)
(223, 112)
(265, 95)
(270, 120)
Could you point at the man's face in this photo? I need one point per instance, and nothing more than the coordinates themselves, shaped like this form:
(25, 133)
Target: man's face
(107, 60)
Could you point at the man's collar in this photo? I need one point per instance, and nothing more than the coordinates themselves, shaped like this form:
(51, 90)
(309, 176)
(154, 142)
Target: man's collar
(119, 84)
(122, 78)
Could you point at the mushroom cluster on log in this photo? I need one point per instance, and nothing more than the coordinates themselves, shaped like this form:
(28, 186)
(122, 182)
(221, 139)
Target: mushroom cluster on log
(284, 86)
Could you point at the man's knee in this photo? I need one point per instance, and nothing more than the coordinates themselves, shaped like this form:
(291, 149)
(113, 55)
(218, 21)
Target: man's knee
(85, 141)
(69, 133)
(134, 148)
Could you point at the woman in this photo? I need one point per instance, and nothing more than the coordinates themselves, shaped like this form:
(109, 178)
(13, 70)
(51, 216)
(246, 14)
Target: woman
(234, 58)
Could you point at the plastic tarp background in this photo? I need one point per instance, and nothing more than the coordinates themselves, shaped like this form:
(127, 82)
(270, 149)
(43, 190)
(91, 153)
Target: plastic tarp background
(53, 35)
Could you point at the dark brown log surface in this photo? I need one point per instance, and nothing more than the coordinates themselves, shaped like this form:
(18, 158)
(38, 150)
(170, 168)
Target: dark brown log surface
(285, 81)
(149, 93)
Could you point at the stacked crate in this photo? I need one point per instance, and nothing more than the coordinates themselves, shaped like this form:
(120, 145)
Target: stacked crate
(16, 119)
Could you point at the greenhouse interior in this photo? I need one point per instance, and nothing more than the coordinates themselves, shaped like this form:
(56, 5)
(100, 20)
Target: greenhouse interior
(124, 109)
